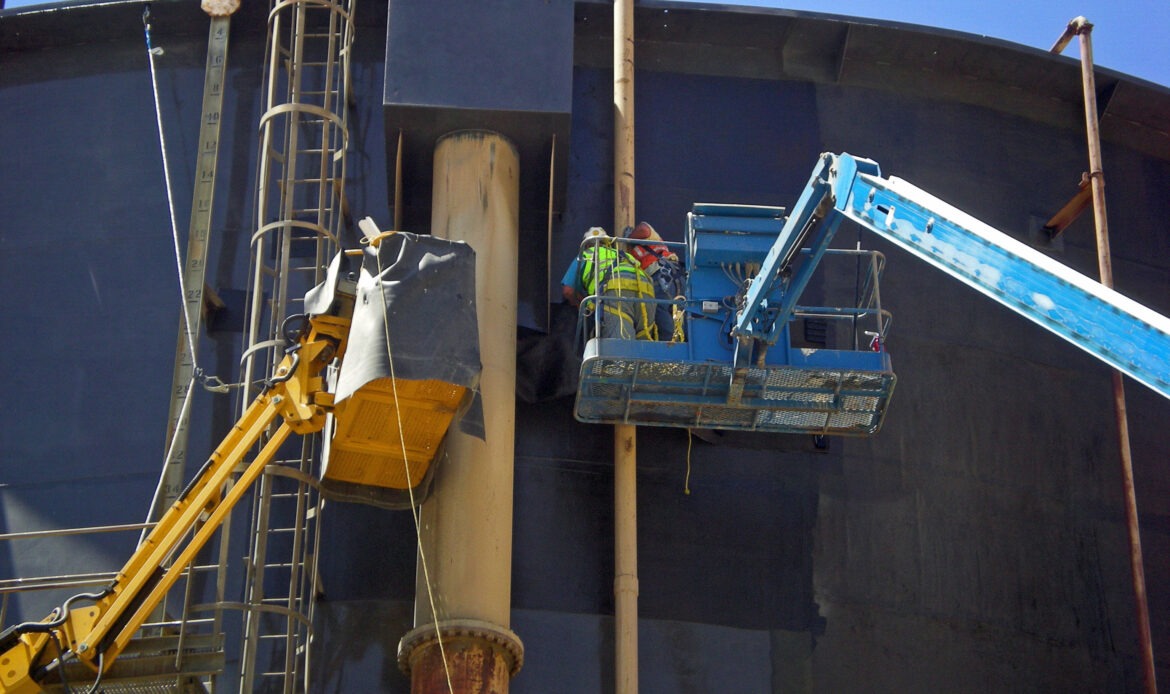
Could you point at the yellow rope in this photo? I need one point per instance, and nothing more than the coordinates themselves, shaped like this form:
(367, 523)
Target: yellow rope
(678, 314)
(377, 240)
(687, 481)
(414, 509)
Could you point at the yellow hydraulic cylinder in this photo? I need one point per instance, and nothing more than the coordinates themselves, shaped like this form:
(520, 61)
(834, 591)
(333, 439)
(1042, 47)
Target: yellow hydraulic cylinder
(465, 563)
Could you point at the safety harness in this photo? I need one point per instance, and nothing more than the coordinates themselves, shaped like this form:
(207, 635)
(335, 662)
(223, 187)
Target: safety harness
(620, 276)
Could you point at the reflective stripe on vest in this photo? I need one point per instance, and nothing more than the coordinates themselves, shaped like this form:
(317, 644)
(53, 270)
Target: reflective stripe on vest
(629, 281)
(608, 260)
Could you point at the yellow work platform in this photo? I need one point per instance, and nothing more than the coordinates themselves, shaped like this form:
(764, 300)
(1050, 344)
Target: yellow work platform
(368, 441)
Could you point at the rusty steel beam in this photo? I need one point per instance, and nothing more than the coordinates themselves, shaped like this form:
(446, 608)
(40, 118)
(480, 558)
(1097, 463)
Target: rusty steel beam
(1071, 210)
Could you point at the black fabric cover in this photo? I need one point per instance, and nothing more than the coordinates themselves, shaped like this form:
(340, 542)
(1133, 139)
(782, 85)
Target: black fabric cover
(548, 365)
(419, 291)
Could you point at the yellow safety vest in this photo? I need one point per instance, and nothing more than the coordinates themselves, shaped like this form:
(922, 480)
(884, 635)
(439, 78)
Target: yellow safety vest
(619, 272)
(610, 264)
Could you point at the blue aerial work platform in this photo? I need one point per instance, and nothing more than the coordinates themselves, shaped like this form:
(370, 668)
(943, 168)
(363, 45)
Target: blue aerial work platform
(741, 364)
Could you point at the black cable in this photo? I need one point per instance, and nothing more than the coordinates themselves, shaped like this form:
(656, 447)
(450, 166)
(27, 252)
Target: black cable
(731, 306)
(48, 627)
(290, 335)
(61, 660)
(36, 627)
(101, 671)
(296, 359)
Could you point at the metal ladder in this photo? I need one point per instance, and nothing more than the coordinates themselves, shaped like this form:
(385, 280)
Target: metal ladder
(300, 209)
(281, 576)
(303, 138)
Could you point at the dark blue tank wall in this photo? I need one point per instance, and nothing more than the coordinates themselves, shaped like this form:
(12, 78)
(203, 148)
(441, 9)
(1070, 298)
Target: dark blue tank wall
(88, 276)
(991, 501)
(89, 273)
(975, 544)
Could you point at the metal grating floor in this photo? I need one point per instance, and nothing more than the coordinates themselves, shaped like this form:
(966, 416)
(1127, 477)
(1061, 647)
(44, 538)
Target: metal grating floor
(785, 399)
(153, 665)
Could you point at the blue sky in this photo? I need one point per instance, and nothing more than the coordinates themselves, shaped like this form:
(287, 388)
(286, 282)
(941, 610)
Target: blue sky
(1130, 36)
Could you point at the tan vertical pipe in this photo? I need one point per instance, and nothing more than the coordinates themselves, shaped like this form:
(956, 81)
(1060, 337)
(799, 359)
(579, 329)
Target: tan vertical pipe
(1105, 263)
(467, 523)
(625, 455)
(1081, 28)
(625, 582)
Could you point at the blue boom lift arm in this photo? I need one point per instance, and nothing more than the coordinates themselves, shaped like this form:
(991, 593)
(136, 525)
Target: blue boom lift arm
(1111, 327)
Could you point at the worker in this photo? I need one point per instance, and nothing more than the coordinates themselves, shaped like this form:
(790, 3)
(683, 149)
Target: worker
(661, 265)
(613, 275)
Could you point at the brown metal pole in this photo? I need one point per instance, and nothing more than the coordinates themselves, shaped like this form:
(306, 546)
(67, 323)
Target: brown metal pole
(625, 582)
(1083, 30)
(625, 459)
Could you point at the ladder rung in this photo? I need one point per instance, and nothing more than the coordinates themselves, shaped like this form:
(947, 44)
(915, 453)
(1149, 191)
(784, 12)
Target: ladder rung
(274, 600)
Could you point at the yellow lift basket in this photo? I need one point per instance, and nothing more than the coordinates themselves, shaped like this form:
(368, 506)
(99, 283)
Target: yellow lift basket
(369, 445)
(410, 367)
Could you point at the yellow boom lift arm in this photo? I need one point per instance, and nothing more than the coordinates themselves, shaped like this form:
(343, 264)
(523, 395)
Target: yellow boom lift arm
(96, 634)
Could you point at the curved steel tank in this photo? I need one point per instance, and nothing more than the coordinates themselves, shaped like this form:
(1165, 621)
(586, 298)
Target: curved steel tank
(977, 543)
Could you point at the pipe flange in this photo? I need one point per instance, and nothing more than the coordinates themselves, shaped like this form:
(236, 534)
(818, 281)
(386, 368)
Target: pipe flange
(220, 8)
(500, 638)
